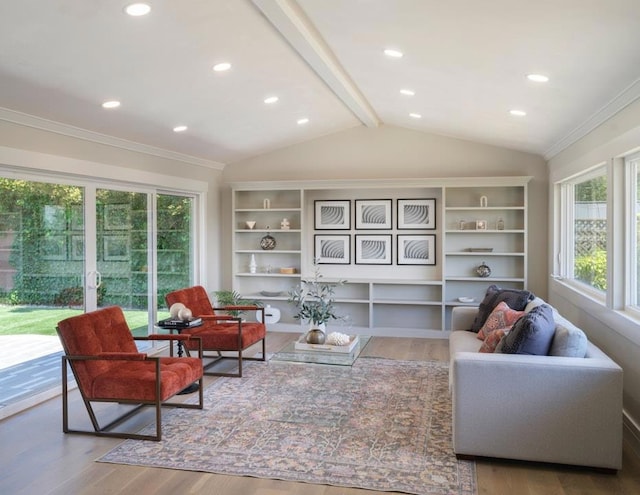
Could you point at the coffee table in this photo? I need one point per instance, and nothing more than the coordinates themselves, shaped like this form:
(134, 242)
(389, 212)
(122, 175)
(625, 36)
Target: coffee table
(291, 354)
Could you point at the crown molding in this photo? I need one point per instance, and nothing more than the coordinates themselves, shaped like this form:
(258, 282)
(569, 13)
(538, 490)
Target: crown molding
(96, 137)
(618, 103)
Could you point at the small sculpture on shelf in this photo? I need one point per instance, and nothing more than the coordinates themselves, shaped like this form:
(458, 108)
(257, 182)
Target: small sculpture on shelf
(285, 224)
(483, 270)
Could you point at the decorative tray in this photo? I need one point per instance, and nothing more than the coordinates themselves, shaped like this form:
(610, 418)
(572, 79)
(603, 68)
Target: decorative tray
(270, 293)
(480, 250)
(301, 345)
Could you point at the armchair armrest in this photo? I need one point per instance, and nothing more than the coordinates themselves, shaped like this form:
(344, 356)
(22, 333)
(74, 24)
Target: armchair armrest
(110, 356)
(237, 308)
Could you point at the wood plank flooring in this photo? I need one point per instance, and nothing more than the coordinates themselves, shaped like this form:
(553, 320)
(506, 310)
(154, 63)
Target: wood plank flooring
(37, 458)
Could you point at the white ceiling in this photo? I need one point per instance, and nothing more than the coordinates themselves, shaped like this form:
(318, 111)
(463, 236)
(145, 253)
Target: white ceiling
(465, 59)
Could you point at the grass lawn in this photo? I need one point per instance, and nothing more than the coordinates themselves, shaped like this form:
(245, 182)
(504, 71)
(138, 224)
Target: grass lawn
(38, 320)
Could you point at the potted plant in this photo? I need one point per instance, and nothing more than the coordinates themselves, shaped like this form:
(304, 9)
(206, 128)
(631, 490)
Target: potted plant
(314, 300)
(227, 298)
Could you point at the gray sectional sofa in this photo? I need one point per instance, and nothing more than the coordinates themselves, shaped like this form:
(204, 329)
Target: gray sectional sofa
(546, 408)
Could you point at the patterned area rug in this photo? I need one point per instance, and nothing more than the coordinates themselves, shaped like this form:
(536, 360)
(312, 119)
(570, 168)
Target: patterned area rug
(380, 425)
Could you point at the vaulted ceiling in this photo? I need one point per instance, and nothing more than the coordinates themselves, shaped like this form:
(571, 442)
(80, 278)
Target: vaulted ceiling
(466, 62)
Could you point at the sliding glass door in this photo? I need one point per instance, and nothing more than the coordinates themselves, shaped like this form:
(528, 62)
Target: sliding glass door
(65, 249)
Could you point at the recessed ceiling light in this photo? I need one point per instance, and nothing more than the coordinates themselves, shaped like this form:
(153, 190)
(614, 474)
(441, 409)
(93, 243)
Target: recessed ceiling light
(537, 78)
(271, 99)
(111, 104)
(389, 52)
(137, 9)
(222, 66)
(303, 121)
(518, 113)
(180, 128)
(407, 92)
(415, 115)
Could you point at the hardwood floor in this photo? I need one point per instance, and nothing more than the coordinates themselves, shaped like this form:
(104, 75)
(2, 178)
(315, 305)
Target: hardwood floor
(37, 458)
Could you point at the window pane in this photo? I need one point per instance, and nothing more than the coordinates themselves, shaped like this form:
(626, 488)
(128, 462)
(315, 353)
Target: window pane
(590, 232)
(175, 246)
(635, 211)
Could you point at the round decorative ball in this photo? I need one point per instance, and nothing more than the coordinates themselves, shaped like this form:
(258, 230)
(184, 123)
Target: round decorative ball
(268, 242)
(185, 314)
(315, 336)
(483, 270)
(175, 309)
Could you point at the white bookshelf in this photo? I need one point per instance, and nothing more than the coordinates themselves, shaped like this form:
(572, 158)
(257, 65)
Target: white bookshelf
(402, 300)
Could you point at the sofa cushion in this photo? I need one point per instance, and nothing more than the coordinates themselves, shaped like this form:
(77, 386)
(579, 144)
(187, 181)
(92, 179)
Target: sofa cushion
(515, 299)
(568, 340)
(532, 334)
(493, 339)
(502, 316)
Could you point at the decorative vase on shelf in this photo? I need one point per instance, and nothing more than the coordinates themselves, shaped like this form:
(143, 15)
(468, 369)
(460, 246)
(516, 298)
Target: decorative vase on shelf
(500, 224)
(268, 242)
(253, 266)
(483, 270)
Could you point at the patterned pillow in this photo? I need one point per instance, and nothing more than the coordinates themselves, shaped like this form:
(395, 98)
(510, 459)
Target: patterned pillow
(501, 317)
(493, 339)
(516, 299)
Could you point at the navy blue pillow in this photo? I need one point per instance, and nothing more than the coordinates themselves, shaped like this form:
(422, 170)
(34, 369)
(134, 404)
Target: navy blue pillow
(515, 299)
(531, 334)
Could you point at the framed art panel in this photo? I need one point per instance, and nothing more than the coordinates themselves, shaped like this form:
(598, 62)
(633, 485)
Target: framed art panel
(117, 217)
(417, 249)
(332, 215)
(417, 214)
(373, 214)
(77, 247)
(54, 247)
(373, 249)
(116, 248)
(333, 249)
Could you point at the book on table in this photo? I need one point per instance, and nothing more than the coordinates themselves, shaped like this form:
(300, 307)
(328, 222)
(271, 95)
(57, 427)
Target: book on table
(172, 323)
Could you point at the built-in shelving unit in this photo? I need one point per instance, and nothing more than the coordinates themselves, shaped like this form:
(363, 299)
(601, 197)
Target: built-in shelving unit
(394, 299)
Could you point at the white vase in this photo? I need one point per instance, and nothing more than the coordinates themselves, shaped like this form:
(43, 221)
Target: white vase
(253, 266)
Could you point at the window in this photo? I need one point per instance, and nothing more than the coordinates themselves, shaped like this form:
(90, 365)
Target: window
(585, 206)
(633, 207)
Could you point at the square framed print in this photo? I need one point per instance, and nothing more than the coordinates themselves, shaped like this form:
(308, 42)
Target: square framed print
(116, 248)
(481, 225)
(373, 249)
(417, 214)
(417, 249)
(333, 249)
(54, 247)
(117, 217)
(332, 215)
(373, 214)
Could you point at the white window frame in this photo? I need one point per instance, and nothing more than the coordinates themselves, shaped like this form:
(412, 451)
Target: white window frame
(632, 169)
(566, 256)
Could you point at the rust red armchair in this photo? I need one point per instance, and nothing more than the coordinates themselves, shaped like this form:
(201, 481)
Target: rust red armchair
(108, 367)
(219, 332)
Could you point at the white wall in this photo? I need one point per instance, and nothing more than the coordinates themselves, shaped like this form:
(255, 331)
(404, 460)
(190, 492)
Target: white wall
(391, 152)
(33, 149)
(617, 335)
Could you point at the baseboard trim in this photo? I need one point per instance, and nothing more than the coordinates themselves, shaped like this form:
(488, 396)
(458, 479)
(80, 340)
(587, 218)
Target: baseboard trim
(631, 432)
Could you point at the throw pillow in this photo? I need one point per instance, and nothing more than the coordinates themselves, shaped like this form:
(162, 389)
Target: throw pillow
(502, 316)
(568, 340)
(532, 334)
(515, 299)
(493, 339)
